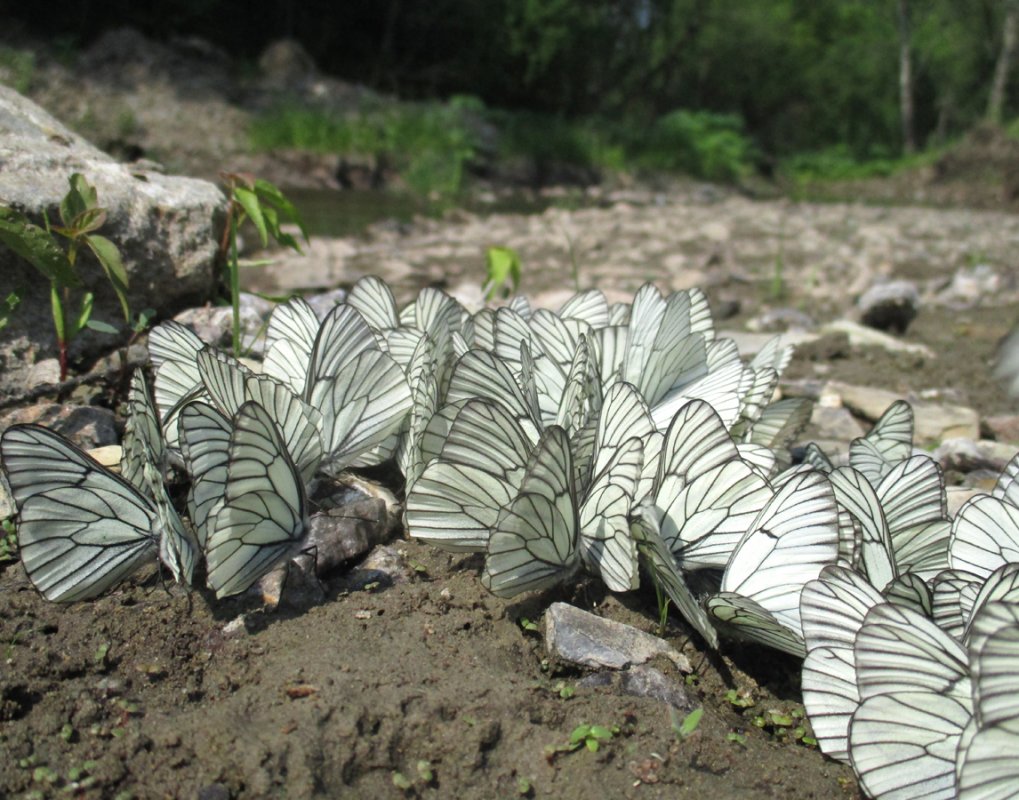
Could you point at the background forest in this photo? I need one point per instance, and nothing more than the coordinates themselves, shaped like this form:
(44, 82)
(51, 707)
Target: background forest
(834, 87)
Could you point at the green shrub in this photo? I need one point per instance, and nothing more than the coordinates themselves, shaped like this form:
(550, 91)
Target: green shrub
(698, 143)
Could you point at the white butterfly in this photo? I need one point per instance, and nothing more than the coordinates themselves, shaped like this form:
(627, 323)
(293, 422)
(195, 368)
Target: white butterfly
(832, 610)
(81, 528)
(888, 442)
(455, 502)
(792, 539)
(987, 766)
(263, 518)
(915, 703)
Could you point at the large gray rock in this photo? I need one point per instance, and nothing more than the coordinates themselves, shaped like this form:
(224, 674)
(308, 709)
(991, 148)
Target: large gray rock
(166, 228)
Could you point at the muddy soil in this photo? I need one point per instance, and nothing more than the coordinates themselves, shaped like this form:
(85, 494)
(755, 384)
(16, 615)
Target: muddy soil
(429, 687)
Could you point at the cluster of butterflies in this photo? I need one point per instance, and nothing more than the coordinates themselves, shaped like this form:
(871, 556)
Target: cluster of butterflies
(917, 684)
(621, 440)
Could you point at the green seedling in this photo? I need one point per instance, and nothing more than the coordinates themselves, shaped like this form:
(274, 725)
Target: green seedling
(524, 787)
(80, 217)
(739, 699)
(67, 732)
(589, 736)
(101, 652)
(8, 541)
(264, 205)
(528, 625)
(786, 727)
(502, 272)
(565, 690)
(402, 782)
(425, 771)
(685, 728)
(737, 738)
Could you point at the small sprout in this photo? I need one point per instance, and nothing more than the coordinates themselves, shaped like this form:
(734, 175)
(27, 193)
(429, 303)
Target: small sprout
(371, 587)
(67, 732)
(739, 699)
(524, 788)
(738, 738)
(780, 720)
(44, 775)
(101, 652)
(25, 763)
(685, 728)
(117, 733)
(402, 782)
(565, 690)
(420, 569)
(425, 772)
(528, 625)
(692, 679)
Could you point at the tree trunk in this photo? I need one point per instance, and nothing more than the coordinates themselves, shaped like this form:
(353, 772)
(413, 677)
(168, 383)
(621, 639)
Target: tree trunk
(906, 79)
(1010, 29)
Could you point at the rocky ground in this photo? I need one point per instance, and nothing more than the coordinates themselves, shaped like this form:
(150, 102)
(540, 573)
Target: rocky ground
(410, 679)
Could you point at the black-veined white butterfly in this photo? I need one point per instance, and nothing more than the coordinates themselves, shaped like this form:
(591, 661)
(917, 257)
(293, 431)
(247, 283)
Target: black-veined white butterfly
(81, 528)
(915, 703)
(832, 610)
(792, 539)
(263, 518)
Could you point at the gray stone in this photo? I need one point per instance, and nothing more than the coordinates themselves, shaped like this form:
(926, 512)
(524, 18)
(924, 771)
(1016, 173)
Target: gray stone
(967, 455)
(777, 320)
(642, 681)
(385, 565)
(889, 306)
(958, 496)
(862, 336)
(340, 535)
(166, 228)
(971, 285)
(935, 422)
(86, 426)
(1002, 427)
(835, 423)
(323, 302)
(749, 343)
(579, 637)
(214, 324)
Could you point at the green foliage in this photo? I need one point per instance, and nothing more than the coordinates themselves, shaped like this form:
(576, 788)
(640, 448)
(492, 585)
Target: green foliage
(685, 728)
(430, 144)
(262, 204)
(791, 726)
(80, 216)
(587, 736)
(502, 272)
(17, 68)
(8, 541)
(698, 143)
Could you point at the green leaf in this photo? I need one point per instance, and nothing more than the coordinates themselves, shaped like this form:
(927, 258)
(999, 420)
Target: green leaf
(271, 194)
(252, 207)
(109, 258)
(83, 316)
(502, 266)
(37, 247)
(91, 219)
(689, 723)
(592, 745)
(76, 201)
(101, 327)
(580, 733)
(601, 732)
(57, 309)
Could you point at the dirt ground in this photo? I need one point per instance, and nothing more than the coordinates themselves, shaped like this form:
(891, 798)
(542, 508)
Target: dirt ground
(429, 687)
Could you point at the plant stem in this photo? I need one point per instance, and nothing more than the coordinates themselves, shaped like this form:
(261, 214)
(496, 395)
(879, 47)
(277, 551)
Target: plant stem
(235, 287)
(59, 322)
